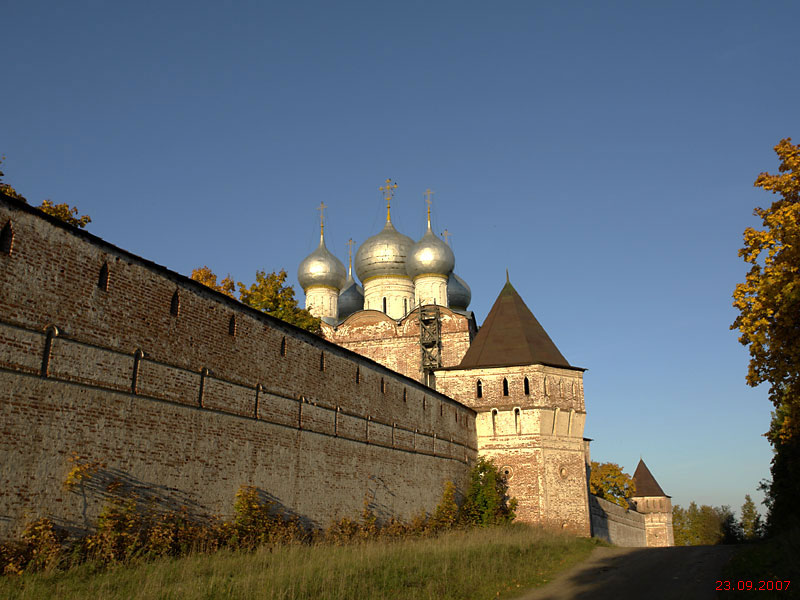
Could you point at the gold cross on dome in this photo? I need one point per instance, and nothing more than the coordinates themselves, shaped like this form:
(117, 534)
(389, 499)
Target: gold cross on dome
(446, 235)
(321, 208)
(428, 193)
(388, 191)
(350, 243)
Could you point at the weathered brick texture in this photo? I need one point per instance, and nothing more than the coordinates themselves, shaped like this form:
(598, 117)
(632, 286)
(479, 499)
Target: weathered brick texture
(179, 408)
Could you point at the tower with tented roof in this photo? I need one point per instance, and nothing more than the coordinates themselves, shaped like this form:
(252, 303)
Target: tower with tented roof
(531, 413)
(656, 506)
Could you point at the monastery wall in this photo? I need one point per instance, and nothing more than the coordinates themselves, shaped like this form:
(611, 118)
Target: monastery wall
(184, 395)
(617, 525)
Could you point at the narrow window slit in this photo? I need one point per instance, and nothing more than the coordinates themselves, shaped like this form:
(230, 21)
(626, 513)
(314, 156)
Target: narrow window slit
(102, 279)
(6, 238)
(175, 305)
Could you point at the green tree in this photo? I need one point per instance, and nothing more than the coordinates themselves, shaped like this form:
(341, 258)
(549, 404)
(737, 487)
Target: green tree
(750, 521)
(487, 501)
(609, 481)
(704, 525)
(768, 302)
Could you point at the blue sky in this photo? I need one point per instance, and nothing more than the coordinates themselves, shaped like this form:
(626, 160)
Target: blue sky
(603, 152)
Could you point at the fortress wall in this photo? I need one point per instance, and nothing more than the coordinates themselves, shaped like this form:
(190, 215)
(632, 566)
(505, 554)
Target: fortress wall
(617, 525)
(223, 395)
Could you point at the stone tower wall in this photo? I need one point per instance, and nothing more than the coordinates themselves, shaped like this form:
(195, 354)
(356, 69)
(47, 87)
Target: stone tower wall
(185, 395)
(536, 438)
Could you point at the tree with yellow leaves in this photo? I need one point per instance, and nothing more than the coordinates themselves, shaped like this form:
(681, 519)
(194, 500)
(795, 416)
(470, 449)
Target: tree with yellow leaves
(609, 481)
(769, 324)
(268, 294)
(65, 212)
(207, 277)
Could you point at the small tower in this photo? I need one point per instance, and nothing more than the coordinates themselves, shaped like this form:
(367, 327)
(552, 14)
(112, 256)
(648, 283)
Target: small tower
(429, 264)
(322, 275)
(656, 506)
(381, 266)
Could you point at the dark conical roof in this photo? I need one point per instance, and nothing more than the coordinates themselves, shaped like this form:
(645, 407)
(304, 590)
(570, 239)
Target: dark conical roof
(646, 484)
(511, 335)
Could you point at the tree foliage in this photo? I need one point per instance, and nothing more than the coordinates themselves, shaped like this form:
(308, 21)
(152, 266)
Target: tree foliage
(207, 277)
(750, 521)
(269, 294)
(65, 212)
(486, 501)
(768, 302)
(6, 188)
(609, 481)
(704, 525)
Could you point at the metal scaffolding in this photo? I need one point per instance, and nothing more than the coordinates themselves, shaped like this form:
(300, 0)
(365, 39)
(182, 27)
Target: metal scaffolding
(430, 341)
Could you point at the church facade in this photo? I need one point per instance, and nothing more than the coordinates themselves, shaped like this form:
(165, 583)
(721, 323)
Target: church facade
(411, 315)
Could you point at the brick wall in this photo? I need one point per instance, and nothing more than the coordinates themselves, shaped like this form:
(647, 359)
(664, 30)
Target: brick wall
(187, 393)
(615, 524)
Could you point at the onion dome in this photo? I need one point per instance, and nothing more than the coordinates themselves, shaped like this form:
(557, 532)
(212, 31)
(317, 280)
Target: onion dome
(383, 254)
(351, 298)
(430, 255)
(458, 293)
(321, 268)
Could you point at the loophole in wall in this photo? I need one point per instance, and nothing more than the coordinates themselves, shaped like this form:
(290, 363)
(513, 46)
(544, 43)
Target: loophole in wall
(507, 472)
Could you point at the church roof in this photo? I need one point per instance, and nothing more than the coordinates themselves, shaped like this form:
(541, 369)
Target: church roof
(511, 335)
(646, 484)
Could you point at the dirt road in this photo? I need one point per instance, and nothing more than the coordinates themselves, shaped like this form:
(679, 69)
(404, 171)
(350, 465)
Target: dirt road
(680, 573)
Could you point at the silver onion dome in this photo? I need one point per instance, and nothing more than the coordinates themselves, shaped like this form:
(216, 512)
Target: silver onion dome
(321, 268)
(383, 254)
(430, 255)
(351, 298)
(458, 293)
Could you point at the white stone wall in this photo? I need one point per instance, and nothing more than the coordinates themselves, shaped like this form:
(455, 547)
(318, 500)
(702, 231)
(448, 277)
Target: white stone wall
(430, 289)
(322, 301)
(398, 292)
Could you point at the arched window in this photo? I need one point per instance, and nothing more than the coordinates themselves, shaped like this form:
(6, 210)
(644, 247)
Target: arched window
(175, 305)
(232, 325)
(518, 420)
(441, 410)
(405, 306)
(383, 386)
(544, 385)
(384, 305)
(358, 374)
(494, 421)
(283, 346)
(505, 386)
(527, 386)
(6, 238)
(424, 404)
(102, 279)
(322, 361)
(479, 389)
(405, 394)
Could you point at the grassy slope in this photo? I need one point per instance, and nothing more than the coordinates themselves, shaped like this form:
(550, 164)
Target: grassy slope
(474, 564)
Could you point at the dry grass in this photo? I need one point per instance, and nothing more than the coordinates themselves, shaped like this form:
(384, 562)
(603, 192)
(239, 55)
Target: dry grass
(479, 563)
